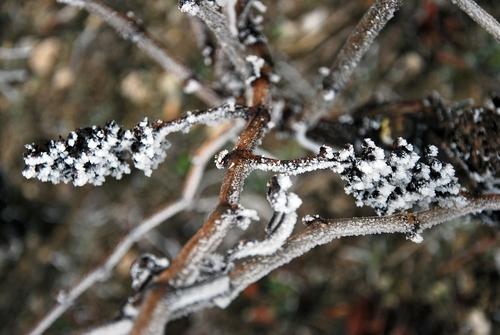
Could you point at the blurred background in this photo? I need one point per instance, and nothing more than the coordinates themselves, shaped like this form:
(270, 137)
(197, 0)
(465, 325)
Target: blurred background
(61, 69)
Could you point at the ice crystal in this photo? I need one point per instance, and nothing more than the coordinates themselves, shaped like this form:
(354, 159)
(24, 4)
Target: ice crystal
(219, 158)
(244, 217)
(88, 155)
(280, 200)
(145, 268)
(256, 65)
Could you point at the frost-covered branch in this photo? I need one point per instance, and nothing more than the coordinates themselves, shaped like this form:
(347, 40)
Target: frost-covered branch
(203, 155)
(321, 231)
(203, 273)
(89, 155)
(185, 268)
(130, 28)
(349, 56)
(208, 13)
(482, 17)
(388, 183)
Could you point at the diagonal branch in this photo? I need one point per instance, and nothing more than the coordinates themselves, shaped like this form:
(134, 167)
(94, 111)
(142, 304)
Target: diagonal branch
(130, 29)
(349, 56)
(89, 155)
(482, 17)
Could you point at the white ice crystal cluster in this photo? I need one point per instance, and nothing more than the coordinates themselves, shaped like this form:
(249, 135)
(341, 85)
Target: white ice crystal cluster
(89, 155)
(400, 181)
(278, 196)
(256, 64)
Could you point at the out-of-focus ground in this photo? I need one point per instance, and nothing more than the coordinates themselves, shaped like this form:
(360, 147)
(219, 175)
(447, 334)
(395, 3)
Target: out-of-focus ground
(80, 73)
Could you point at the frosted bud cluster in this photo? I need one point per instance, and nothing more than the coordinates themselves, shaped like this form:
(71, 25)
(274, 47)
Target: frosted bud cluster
(400, 181)
(89, 155)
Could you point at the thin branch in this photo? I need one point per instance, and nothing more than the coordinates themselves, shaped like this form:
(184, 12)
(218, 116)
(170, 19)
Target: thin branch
(101, 273)
(217, 23)
(131, 29)
(349, 56)
(482, 17)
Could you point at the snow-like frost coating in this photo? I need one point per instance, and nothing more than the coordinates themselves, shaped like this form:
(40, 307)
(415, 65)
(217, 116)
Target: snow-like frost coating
(403, 180)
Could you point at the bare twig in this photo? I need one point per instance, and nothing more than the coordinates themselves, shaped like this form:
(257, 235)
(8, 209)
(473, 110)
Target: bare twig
(482, 17)
(349, 56)
(130, 29)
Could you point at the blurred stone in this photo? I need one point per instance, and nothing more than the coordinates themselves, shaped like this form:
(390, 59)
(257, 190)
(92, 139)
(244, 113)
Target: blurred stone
(63, 78)
(43, 56)
(413, 63)
(477, 323)
(313, 21)
(134, 88)
(168, 84)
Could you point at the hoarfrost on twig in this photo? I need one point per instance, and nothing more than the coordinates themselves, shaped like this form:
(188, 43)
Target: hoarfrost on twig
(89, 155)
